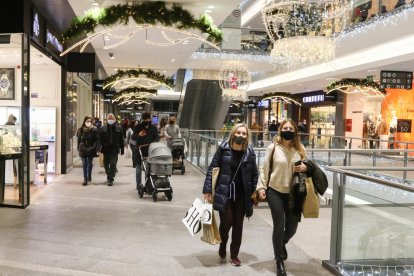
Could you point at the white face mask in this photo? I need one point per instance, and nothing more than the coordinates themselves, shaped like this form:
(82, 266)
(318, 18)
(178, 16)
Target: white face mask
(111, 122)
(88, 124)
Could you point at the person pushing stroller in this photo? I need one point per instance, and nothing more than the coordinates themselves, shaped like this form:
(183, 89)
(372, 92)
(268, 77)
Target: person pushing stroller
(144, 133)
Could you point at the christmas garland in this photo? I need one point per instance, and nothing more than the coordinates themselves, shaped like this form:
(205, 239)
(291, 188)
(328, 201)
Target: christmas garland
(355, 82)
(268, 96)
(144, 13)
(151, 74)
(135, 89)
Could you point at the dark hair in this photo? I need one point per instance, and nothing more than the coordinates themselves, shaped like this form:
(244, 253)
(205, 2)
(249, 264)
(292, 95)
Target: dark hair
(132, 124)
(87, 117)
(145, 116)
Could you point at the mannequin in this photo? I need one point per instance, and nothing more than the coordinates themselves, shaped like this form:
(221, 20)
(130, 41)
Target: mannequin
(381, 132)
(393, 128)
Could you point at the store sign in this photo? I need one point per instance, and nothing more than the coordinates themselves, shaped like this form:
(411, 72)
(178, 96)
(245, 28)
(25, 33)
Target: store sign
(251, 105)
(38, 31)
(348, 125)
(404, 125)
(314, 98)
(97, 85)
(52, 42)
(396, 79)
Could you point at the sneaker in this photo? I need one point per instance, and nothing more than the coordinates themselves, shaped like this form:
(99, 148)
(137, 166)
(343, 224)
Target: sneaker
(235, 261)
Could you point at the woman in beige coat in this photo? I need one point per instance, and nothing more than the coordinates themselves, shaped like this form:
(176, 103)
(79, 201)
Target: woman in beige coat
(275, 184)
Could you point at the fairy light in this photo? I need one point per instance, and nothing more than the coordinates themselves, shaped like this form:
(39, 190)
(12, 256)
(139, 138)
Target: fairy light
(251, 56)
(137, 81)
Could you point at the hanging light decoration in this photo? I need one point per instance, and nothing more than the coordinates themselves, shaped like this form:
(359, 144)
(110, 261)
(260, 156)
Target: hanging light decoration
(302, 30)
(234, 79)
(143, 78)
(282, 97)
(352, 86)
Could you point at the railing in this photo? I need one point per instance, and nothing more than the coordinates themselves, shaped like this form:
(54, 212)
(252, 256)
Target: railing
(372, 196)
(372, 224)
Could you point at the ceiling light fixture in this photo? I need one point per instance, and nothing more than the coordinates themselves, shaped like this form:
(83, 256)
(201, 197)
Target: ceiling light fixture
(234, 80)
(282, 97)
(111, 55)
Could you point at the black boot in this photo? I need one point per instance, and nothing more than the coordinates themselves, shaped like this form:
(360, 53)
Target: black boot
(284, 253)
(280, 267)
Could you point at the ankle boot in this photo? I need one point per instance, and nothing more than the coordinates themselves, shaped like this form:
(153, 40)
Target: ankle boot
(280, 267)
(222, 250)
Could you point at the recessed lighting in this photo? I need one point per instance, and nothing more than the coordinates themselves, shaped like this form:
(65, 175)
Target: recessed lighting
(173, 60)
(210, 7)
(207, 11)
(165, 71)
(107, 38)
(372, 70)
(329, 79)
(299, 84)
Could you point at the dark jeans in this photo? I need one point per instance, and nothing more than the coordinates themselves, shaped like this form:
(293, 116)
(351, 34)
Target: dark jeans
(110, 161)
(284, 225)
(134, 154)
(232, 217)
(138, 172)
(87, 167)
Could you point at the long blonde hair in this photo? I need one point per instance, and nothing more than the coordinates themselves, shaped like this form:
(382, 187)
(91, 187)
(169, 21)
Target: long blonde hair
(296, 143)
(233, 131)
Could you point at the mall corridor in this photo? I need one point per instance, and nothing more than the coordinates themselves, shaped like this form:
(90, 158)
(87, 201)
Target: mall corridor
(69, 229)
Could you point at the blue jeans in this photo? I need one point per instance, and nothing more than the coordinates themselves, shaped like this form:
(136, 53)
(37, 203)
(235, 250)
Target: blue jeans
(87, 167)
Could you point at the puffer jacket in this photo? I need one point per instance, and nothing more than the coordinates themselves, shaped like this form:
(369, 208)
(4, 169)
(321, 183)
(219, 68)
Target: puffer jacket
(248, 167)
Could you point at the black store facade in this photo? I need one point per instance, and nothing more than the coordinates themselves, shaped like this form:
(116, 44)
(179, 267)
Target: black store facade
(34, 94)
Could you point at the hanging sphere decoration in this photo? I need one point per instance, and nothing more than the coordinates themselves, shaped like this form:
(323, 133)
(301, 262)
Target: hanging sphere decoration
(234, 80)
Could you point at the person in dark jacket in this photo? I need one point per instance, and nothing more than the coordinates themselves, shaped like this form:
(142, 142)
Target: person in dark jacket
(144, 134)
(236, 183)
(112, 141)
(88, 144)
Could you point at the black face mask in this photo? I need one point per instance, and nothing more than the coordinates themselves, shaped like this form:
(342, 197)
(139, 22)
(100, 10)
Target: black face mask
(287, 135)
(239, 140)
(145, 123)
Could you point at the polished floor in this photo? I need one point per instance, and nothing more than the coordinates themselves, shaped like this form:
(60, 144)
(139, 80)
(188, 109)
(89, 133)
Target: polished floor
(98, 230)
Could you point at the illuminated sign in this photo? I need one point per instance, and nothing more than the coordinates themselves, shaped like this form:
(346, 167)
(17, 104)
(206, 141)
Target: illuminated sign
(51, 39)
(314, 98)
(396, 79)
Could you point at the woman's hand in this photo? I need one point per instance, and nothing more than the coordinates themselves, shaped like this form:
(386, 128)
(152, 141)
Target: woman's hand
(208, 197)
(300, 168)
(262, 194)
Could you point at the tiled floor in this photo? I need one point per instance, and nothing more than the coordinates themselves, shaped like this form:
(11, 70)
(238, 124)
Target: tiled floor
(98, 230)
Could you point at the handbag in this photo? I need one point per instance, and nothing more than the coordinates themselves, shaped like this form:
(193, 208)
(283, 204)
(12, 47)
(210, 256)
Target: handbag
(310, 207)
(211, 232)
(255, 196)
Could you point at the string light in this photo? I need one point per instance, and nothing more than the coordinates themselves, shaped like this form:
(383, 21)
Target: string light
(251, 56)
(281, 97)
(136, 81)
(234, 80)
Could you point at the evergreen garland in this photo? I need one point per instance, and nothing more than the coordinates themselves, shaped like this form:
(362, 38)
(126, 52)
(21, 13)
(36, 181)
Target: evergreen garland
(151, 74)
(144, 13)
(268, 96)
(355, 82)
(135, 89)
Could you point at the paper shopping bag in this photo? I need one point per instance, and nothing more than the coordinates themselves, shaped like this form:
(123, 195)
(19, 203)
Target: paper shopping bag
(192, 219)
(211, 232)
(206, 217)
(310, 207)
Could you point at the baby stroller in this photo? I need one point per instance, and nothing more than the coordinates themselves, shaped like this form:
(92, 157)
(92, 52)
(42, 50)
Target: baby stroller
(157, 168)
(177, 151)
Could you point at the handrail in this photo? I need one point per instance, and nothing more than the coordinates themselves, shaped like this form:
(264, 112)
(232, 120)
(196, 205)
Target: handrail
(349, 171)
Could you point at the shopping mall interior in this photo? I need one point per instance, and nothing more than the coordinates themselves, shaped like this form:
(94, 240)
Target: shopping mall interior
(342, 70)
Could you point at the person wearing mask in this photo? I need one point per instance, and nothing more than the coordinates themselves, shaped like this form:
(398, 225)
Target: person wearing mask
(112, 142)
(161, 128)
(88, 143)
(255, 128)
(171, 131)
(131, 143)
(236, 183)
(144, 133)
(275, 184)
(98, 123)
(273, 129)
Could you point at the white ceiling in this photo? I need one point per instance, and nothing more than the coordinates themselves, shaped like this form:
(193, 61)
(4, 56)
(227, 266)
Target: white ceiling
(168, 59)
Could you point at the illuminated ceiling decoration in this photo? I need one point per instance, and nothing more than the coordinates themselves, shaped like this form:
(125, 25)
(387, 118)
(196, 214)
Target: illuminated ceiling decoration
(238, 103)
(166, 18)
(234, 80)
(352, 86)
(282, 97)
(133, 101)
(144, 78)
(132, 93)
(302, 30)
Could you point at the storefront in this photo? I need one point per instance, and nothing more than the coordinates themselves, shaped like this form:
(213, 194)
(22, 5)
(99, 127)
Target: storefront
(32, 81)
(318, 116)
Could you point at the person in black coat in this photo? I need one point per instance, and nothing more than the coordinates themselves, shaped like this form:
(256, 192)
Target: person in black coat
(236, 183)
(144, 134)
(88, 143)
(112, 141)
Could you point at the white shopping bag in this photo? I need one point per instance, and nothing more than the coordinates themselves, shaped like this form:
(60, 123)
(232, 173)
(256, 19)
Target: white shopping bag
(192, 219)
(207, 216)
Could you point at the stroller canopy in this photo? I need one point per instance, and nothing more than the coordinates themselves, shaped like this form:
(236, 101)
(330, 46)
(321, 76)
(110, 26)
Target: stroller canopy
(159, 153)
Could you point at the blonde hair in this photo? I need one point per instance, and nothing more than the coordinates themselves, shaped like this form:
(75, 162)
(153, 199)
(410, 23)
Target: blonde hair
(233, 131)
(296, 143)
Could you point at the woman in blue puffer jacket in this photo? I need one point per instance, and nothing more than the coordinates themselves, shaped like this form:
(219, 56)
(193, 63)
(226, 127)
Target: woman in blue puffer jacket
(236, 183)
